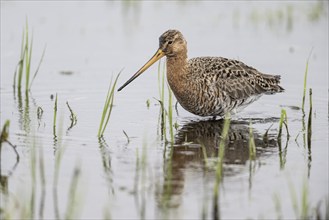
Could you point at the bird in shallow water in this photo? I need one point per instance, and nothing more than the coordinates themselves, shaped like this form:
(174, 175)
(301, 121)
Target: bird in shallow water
(209, 86)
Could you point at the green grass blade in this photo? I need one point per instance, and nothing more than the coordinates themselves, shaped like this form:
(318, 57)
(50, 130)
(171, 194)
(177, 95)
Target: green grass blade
(293, 197)
(305, 81)
(305, 84)
(159, 79)
(252, 146)
(28, 64)
(104, 110)
(219, 169)
(55, 116)
(73, 195)
(204, 153)
(107, 110)
(305, 200)
(170, 115)
(309, 123)
(17, 69)
(221, 153)
(21, 62)
(26, 54)
(37, 70)
(111, 101)
(283, 118)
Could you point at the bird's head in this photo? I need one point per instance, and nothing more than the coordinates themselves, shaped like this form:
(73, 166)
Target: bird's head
(171, 44)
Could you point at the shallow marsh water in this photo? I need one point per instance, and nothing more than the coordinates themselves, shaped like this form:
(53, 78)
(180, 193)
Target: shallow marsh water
(134, 177)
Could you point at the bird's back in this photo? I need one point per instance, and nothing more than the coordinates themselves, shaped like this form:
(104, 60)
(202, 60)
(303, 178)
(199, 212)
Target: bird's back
(224, 85)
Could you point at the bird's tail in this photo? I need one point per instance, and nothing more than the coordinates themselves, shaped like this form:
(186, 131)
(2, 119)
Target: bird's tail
(273, 82)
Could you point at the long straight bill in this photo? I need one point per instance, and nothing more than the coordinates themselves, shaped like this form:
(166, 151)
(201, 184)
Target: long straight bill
(157, 56)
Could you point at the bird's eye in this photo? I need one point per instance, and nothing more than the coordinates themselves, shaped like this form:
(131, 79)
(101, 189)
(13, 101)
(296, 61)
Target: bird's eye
(170, 42)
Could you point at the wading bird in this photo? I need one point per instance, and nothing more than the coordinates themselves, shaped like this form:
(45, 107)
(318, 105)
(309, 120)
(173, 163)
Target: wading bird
(209, 86)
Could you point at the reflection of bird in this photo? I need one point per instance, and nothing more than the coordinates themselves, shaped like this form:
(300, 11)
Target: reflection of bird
(198, 141)
(208, 134)
(209, 86)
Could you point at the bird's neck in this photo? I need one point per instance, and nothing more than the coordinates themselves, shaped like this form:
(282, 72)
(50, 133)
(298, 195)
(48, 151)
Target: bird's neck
(177, 73)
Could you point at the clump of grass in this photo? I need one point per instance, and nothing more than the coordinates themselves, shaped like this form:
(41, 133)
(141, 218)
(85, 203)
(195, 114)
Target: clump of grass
(43, 183)
(24, 64)
(140, 186)
(221, 151)
(305, 204)
(307, 131)
(107, 109)
(107, 165)
(59, 152)
(22, 205)
(219, 169)
(302, 209)
(136, 179)
(277, 205)
(143, 180)
(73, 116)
(317, 10)
(165, 113)
(33, 163)
(73, 195)
(161, 83)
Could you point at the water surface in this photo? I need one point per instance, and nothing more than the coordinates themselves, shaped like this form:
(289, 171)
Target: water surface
(118, 177)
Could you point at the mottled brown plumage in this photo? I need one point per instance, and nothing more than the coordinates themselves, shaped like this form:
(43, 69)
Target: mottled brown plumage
(209, 86)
